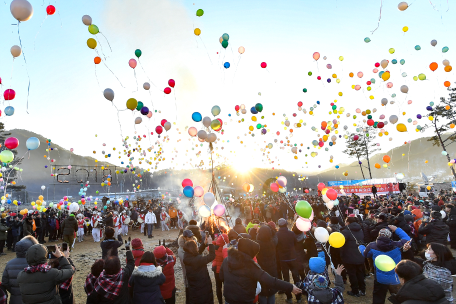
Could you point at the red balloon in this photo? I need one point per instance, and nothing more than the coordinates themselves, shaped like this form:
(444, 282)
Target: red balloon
(369, 83)
(11, 143)
(163, 122)
(9, 94)
(380, 125)
(50, 10)
(356, 137)
(321, 144)
(187, 182)
(377, 65)
(300, 104)
(327, 131)
(167, 90)
(321, 186)
(171, 83)
(370, 122)
(331, 194)
(159, 130)
(0, 80)
(319, 78)
(306, 191)
(264, 65)
(274, 187)
(237, 108)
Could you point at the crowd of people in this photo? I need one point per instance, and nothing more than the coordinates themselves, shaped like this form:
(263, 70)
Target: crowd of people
(253, 252)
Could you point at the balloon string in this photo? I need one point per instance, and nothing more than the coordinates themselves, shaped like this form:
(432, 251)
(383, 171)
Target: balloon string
(60, 17)
(25, 60)
(153, 108)
(206, 50)
(106, 41)
(37, 33)
(137, 87)
(101, 48)
(113, 74)
(380, 17)
(11, 77)
(175, 102)
(239, 60)
(97, 77)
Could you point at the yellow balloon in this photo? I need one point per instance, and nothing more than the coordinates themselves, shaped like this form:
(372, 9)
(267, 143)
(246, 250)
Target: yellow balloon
(41, 197)
(431, 118)
(336, 239)
(323, 192)
(197, 32)
(386, 75)
(254, 118)
(405, 29)
(401, 127)
(132, 104)
(91, 43)
(251, 128)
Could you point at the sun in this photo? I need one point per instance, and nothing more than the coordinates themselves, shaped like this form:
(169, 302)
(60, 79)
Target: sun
(242, 166)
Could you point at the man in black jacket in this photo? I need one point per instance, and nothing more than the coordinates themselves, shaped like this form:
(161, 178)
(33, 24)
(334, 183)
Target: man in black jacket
(286, 241)
(382, 222)
(436, 231)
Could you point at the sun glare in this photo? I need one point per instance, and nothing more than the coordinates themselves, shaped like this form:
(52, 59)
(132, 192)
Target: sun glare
(242, 166)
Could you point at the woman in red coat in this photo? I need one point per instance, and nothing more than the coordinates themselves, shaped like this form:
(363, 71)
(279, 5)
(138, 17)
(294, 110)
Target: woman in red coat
(137, 248)
(166, 259)
(221, 252)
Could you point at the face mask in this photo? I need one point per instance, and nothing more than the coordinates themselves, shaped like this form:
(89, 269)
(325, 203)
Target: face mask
(428, 256)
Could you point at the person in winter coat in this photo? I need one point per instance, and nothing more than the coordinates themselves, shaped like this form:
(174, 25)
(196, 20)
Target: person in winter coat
(238, 227)
(3, 235)
(95, 271)
(318, 290)
(199, 282)
(185, 237)
(38, 281)
(368, 224)
(416, 287)
(109, 245)
(66, 288)
(266, 258)
(112, 284)
(286, 249)
(166, 260)
(451, 222)
(221, 252)
(109, 220)
(436, 231)
(299, 248)
(145, 281)
(137, 249)
(385, 281)
(150, 220)
(14, 266)
(193, 226)
(352, 258)
(16, 231)
(240, 275)
(27, 226)
(69, 227)
(382, 222)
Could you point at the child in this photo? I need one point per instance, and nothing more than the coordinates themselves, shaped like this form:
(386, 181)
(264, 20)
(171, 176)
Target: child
(81, 223)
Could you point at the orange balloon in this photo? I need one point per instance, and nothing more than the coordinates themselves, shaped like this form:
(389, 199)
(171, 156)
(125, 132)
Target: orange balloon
(324, 124)
(97, 60)
(351, 74)
(448, 68)
(386, 159)
(246, 187)
(377, 166)
(447, 84)
(433, 66)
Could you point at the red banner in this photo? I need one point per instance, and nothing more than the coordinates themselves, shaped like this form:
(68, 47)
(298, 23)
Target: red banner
(367, 189)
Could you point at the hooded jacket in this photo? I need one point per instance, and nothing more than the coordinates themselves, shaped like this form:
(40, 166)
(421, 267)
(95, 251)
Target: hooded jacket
(238, 227)
(180, 254)
(14, 266)
(354, 237)
(266, 257)
(144, 285)
(418, 216)
(451, 222)
(168, 286)
(324, 295)
(240, 275)
(419, 289)
(70, 226)
(220, 252)
(379, 226)
(109, 247)
(436, 231)
(40, 287)
(286, 244)
(385, 246)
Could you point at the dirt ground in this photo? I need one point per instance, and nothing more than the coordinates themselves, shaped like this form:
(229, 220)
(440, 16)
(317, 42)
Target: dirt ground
(85, 253)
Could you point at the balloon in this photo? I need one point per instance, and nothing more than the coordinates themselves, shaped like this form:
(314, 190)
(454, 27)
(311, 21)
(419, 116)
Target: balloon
(167, 90)
(401, 127)
(132, 63)
(9, 111)
(405, 29)
(97, 60)
(259, 107)
(303, 209)
(447, 84)
(433, 66)
(303, 224)
(196, 116)
(434, 42)
(241, 50)
(197, 31)
(331, 194)
(384, 263)
(211, 137)
(145, 111)
(282, 181)
(402, 6)
(386, 75)
(215, 110)
(93, 29)
(6, 156)
(149, 115)
(209, 198)
(138, 120)
(188, 191)
(171, 83)
(226, 65)
(207, 122)
(321, 234)
(9, 95)
(146, 86)
(393, 119)
(87, 20)
(204, 211)
(264, 65)
(132, 104)
(274, 187)
(32, 143)
(16, 51)
(199, 12)
(22, 10)
(445, 49)
(215, 124)
(108, 94)
(11, 143)
(446, 62)
(404, 89)
(91, 43)
(192, 131)
(202, 134)
(448, 68)
(167, 126)
(316, 55)
(384, 63)
(219, 210)
(336, 239)
(321, 186)
(159, 130)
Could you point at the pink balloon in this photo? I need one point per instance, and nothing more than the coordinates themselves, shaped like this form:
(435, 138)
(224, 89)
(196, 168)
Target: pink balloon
(389, 85)
(316, 55)
(149, 114)
(375, 70)
(9, 94)
(274, 187)
(360, 74)
(358, 111)
(357, 87)
(132, 63)
(329, 66)
(219, 210)
(415, 122)
(187, 182)
(409, 102)
(192, 131)
(303, 224)
(382, 116)
(198, 191)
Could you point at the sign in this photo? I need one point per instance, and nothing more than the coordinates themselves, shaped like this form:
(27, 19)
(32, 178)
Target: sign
(75, 174)
(346, 182)
(382, 189)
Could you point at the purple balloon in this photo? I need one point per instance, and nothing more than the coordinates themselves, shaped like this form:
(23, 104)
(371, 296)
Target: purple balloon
(144, 110)
(418, 116)
(263, 131)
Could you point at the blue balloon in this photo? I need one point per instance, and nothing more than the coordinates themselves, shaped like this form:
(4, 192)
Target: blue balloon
(9, 111)
(188, 191)
(226, 65)
(144, 110)
(361, 248)
(253, 110)
(394, 61)
(197, 117)
(32, 143)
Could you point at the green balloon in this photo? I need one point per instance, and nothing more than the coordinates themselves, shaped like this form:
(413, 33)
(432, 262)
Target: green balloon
(259, 107)
(199, 12)
(215, 124)
(367, 40)
(139, 106)
(93, 29)
(417, 47)
(445, 49)
(226, 37)
(334, 107)
(303, 209)
(138, 53)
(310, 73)
(384, 263)
(225, 44)
(304, 90)
(258, 126)
(402, 61)
(215, 110)
(6, 156)
(422, 77)
(369, 116)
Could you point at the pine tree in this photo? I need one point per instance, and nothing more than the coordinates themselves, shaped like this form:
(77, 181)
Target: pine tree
(442, 119)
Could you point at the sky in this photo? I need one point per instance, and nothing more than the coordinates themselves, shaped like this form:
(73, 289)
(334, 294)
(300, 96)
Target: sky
(66, 102)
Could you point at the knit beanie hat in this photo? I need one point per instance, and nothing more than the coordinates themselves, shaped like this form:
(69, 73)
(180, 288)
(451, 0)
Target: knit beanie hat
(320, 282)
(282, 222)
(317, 265)
(272, 225)
(248, 247)
(385, 232)
(136, 243)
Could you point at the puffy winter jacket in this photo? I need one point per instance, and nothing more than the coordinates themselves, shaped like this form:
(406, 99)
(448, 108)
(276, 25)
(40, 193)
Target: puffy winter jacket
(14, 266)
(137, 255)
(27, 228)
(144, 285)
(376, 229)
(168, 270)
(419, 289)
(70, 226)
(180, 253)
(436, 231)
(40, 287)
(354, 237)
(286, 244)
(385, 246)
(418, 216)
(3, 231)
(266, 257)
(220, 252)
(109, 247)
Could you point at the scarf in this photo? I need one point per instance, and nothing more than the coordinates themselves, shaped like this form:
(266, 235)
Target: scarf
(165, 260)
(37, 268)
(111, 285)
(89, 284)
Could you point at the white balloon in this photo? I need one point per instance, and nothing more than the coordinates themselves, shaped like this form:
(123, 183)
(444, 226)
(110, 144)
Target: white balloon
(138, 120)
(243, 111)
(211, 137)
(108, 94)
(384, 63)
(325, 198)
(146, 86)
(446, 62)
(43, 187)
(87, 20)
(209, 198)
(404, 89)
(204, 211)
(321, 234)
(16, 51)
(330, 205)
(207, 122)
(434, 42)
(167, 125)
(22, 10)
(294, 150)
(402, 6)
(202, 134)
(393, 119)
